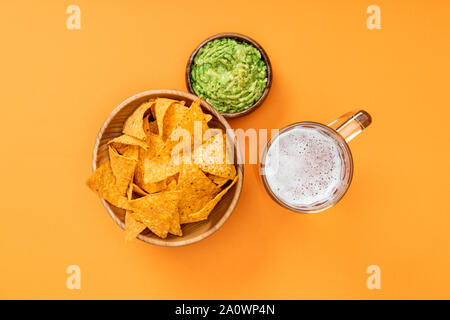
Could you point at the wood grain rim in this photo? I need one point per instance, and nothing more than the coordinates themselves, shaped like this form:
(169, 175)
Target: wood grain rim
(239, 37)
(230, 134)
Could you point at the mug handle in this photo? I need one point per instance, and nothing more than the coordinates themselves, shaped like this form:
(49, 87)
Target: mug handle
(351, 124)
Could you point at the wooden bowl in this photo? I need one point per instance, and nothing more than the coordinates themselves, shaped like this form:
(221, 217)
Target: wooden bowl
(238, 37)
(192, 232)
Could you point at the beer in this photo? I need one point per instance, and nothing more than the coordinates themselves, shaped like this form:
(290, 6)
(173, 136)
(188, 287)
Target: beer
(304, 166)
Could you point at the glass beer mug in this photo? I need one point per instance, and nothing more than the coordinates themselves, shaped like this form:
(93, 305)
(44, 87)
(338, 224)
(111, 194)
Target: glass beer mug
(307, 167)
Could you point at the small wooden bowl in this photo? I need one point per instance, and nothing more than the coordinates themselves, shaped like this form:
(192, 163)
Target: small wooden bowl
(238, 37)
(192, 232)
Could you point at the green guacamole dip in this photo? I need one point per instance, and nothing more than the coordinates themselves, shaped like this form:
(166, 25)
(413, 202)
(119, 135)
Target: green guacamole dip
(229, 75)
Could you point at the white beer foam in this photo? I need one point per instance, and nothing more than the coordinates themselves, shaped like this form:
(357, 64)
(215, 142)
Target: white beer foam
(303, 166)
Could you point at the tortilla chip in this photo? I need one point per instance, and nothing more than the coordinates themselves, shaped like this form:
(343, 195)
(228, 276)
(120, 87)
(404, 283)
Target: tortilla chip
(132, 227)
(128, 146)
(103, 182)
(153, 127)
(196, 190)
(131, 152)
(126, 140)
(155, 145)
(220, 181)
(152, 187)
(138, 190)
(175, 227)
(153, 108)
(134, 126)
(130, 192)
(150, 127)
(212, 157)
(204, 212)
(122, 168)
(174, 114)
(159, 167)
(161, 106)
(193, 114)
(157, 211)
(208, 117)
(172, 185)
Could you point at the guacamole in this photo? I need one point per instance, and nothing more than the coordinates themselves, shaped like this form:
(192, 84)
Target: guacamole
(228, 74)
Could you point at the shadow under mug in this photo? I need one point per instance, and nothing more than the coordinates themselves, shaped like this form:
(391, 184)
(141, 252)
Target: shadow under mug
(342, 130)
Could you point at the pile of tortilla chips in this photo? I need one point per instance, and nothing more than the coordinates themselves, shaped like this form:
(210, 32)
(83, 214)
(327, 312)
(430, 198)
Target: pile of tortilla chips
(158, 190)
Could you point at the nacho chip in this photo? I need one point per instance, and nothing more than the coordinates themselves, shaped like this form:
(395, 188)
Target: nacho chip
(204, 212)
(174, 114)
(122, 168)
(152, 187)
(103, 182)
(212, 157)
(196, 190)
(126, 140)
(153, 127)
(208, 117)
(157, 211)
(128, 146)
(155, 144)
(172, 185)
(130, 192)
(193, 114)
(131, 152)
(220, 181)
(161, 106)
(159, 167)
(150, 126)
(175, 226)
(132, 227)
(134, 126)
(138, 190)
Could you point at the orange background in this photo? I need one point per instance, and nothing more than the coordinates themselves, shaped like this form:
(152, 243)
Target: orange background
(58, 86)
